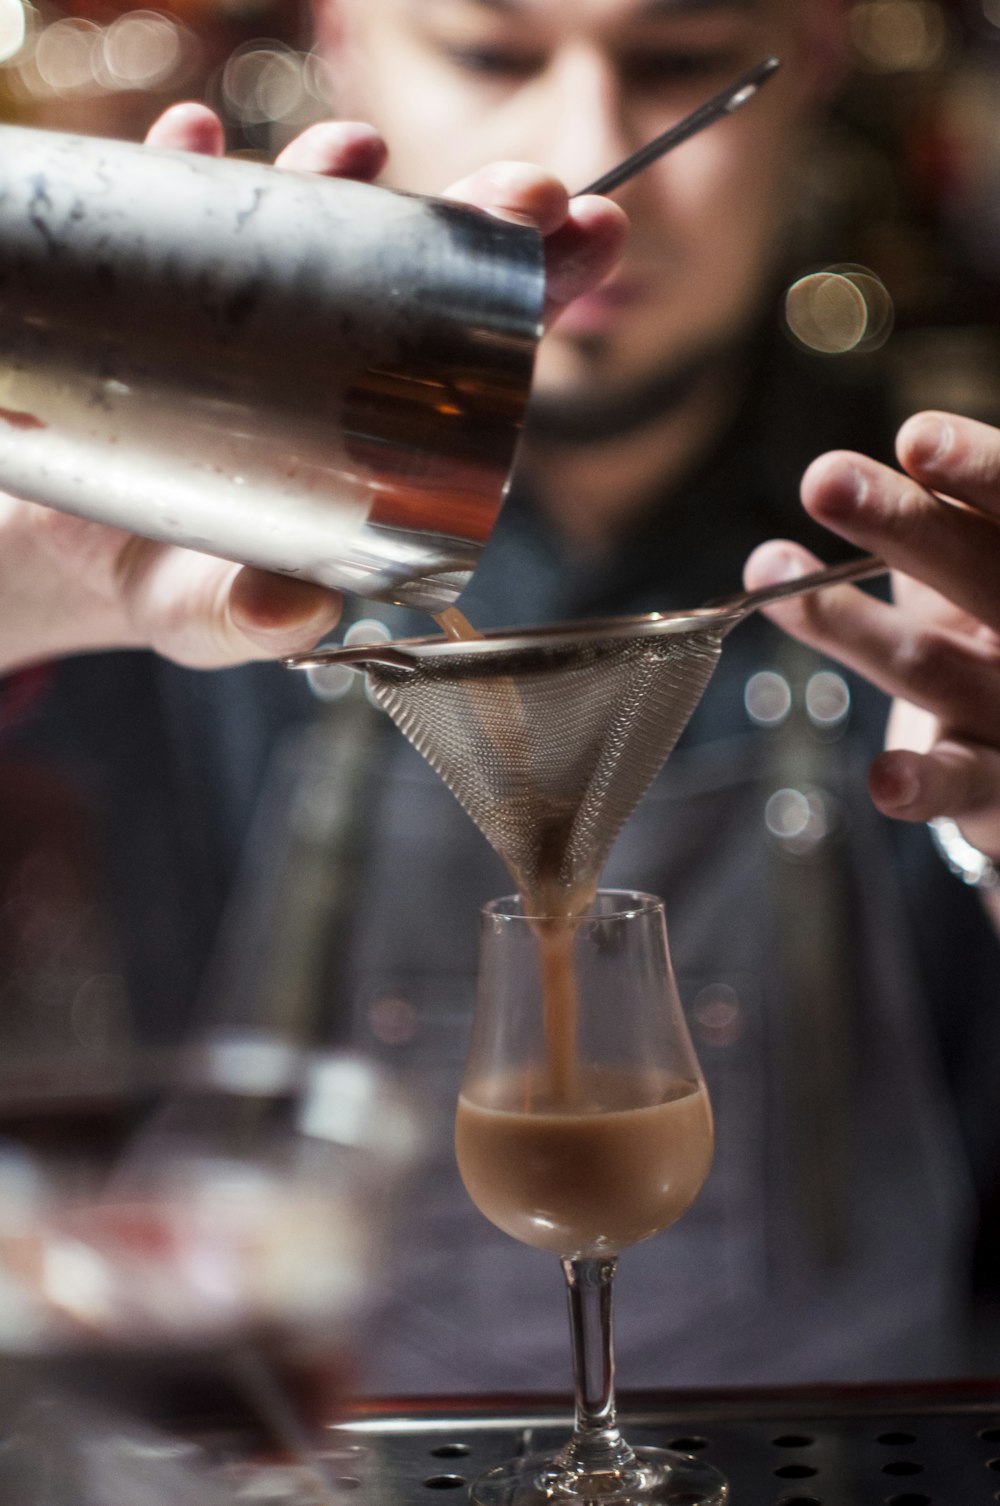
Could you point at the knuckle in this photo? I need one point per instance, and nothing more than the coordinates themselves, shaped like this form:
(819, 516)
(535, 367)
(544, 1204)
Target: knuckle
(924, 663)
(968, 452)
(905, 511)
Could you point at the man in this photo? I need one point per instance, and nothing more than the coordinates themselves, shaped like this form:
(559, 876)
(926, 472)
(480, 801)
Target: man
(817, 948)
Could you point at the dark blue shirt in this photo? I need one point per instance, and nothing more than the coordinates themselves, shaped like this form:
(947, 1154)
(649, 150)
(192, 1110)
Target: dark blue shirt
(841, 993)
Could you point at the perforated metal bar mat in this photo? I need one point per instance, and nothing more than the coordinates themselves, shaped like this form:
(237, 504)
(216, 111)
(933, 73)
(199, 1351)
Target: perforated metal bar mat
(939, 1448)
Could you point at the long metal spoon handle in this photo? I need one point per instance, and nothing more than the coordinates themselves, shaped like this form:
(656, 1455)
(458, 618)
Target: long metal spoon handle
(864, 568)
(724, 103)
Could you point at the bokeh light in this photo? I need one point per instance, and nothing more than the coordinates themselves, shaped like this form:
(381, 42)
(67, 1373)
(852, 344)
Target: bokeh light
(900, 36)
(143, 49)
(838, 310)
(67, 56)
(13, 28)
(140, 51)
(271, 83)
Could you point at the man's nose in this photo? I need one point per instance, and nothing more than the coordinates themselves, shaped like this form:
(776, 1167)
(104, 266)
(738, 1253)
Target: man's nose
(585, 127)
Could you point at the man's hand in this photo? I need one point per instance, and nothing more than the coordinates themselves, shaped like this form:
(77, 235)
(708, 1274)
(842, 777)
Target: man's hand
(68, 586)
(936, 647)
(584, 237)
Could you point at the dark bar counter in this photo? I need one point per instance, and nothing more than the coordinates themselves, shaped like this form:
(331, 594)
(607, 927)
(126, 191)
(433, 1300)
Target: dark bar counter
(928, 1445)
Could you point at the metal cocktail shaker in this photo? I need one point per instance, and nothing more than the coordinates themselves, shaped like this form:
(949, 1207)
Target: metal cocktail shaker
(316, 376)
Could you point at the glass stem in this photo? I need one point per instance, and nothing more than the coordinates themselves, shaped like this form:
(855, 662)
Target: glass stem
(596, 1443)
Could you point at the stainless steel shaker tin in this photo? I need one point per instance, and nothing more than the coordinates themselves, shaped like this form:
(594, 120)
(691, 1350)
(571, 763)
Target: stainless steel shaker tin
(316, 376)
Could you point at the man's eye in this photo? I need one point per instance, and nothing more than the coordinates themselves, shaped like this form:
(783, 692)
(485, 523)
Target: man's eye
(655, 70)
(493, 62)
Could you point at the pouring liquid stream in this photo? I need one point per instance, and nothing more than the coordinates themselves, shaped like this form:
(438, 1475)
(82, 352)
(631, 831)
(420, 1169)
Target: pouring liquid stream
(552, 902)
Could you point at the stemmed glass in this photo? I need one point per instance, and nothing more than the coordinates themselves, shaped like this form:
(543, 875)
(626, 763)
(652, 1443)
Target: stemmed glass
(584, 1126)
(220, 1254)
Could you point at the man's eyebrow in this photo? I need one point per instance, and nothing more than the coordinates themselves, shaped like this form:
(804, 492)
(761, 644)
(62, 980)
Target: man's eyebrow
(648, 9)
(500, 7)
(695, 7)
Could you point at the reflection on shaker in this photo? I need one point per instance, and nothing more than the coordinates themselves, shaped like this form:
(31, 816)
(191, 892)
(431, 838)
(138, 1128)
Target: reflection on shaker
(311, 375)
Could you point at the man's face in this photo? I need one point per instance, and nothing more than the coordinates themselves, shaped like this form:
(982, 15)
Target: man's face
(575, 85)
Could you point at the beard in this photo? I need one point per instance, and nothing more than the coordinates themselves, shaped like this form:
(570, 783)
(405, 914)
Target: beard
(602, 415)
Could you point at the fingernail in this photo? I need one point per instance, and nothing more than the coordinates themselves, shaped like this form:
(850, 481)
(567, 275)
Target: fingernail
(893, 786)
(844, 490)
(790, 567)
(512, 177)
(504, 181)
(514, 216)
(859, 484)
(931, 440)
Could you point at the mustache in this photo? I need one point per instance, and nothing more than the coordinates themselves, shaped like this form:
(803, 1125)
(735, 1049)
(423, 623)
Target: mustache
(593, 418)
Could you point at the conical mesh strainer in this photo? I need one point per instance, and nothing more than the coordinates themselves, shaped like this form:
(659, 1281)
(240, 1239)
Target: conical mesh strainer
(549, 737)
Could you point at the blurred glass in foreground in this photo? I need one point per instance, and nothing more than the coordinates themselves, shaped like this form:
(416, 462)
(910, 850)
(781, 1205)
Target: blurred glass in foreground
(205, 1243)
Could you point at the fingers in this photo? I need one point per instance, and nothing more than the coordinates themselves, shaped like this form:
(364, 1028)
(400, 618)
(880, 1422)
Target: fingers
(925, 775)
(336, 149)
(188, 128)
(205, 612)
(954, 779)
(938, 647)
(909, 655)
(582, 252)
(281, 616)
(955, 550)
(957, 456)
(842, 621)
(515, 191)
(584, 237)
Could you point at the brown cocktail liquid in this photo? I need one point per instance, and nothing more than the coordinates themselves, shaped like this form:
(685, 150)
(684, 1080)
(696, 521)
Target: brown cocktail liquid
(455, 624)
(549, 898)
(623, 1162)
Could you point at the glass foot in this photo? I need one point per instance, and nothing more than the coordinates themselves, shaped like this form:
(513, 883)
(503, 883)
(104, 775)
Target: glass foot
(279, 1485)
(656, 1478)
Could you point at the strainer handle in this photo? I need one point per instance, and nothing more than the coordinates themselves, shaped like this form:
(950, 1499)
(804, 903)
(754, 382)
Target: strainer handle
(744, 602)
(360, 655)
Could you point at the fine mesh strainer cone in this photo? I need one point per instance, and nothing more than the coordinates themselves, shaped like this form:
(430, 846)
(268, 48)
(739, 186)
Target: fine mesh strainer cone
(549, 737)
(551, 757)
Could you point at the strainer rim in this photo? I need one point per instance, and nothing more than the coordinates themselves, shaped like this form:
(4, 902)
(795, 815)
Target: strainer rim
(404, 652)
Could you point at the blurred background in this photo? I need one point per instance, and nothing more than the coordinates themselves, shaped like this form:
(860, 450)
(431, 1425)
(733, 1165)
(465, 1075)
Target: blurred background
(908, 174)
(107, 68)
(898, 265)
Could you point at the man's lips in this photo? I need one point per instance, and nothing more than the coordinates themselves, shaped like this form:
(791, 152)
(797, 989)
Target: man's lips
(599, 310)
